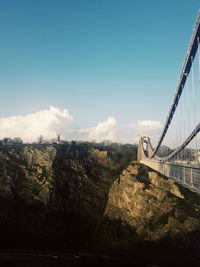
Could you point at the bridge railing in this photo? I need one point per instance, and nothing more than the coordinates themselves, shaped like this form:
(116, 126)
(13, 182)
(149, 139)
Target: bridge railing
(185, 174)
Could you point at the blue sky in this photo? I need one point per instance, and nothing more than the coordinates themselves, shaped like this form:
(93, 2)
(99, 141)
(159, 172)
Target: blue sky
(96, 58)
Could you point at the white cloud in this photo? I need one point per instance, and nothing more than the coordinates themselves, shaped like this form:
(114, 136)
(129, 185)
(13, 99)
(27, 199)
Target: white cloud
(52, 121)
(150, 127)
(147, 125)
(105, 130)
(47, 122)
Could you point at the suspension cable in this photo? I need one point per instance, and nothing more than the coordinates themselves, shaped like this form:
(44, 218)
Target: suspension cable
(193, 94)
(183, 77)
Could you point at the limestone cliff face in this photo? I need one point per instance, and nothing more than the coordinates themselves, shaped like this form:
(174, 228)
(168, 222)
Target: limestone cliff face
(61, 197)
(147, 202)
(145, 207)
(26, 173)
(52, 196)
(82, 179)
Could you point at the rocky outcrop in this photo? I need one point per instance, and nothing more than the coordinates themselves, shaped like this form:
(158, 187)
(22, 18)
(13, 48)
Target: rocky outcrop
(147, 212)
(64, 197)
(142, 204)
(52, 196)
(26, 173)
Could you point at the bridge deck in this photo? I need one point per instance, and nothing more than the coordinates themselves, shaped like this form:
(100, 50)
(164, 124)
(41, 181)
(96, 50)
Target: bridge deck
(188, 176)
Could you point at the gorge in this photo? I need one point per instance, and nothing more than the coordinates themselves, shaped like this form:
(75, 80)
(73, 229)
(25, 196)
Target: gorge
(95, 199)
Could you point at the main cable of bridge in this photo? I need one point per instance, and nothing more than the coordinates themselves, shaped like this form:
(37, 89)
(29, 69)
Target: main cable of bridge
(188, 62)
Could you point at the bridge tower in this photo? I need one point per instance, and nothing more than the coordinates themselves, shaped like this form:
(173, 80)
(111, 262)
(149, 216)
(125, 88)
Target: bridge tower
(144, 148)
(140, 150)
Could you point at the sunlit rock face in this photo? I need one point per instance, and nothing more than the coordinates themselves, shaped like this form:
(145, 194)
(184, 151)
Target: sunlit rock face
(26, 173)
(154, 206)
(149, 219)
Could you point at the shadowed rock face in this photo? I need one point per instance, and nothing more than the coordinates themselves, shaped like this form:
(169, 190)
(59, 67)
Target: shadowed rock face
(81, 183)
(51, 197)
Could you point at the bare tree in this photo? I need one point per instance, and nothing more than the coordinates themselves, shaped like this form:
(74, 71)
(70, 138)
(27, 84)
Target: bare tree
(40, 139)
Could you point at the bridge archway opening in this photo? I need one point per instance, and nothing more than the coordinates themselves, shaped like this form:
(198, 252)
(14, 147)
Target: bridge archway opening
(145, 146)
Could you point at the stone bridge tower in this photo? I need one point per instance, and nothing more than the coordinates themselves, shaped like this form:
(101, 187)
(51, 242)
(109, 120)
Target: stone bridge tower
(144, 147)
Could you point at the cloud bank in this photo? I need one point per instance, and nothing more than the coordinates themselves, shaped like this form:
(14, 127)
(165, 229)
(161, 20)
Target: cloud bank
(47, 122)
(53, 121)
(102, 131)
(147, 125)
(151, 127)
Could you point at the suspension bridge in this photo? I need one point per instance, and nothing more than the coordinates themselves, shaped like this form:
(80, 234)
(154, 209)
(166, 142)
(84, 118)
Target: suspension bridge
(177, 153)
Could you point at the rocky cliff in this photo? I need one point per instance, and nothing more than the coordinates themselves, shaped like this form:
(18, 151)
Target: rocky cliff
(152, 216)
(52, 196)
(87, 197)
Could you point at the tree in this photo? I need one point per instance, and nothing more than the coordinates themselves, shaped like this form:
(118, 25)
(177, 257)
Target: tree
(7, 141)
(17, 140)
(40, 139)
